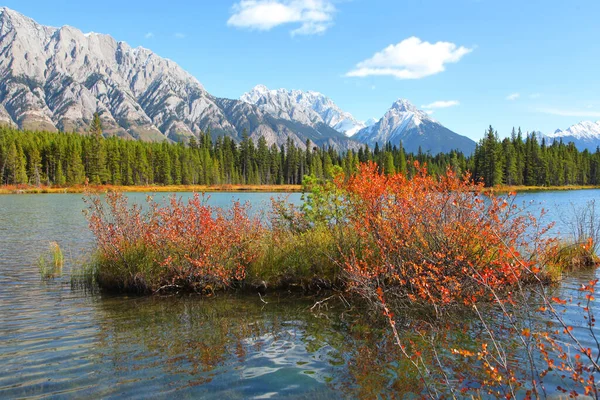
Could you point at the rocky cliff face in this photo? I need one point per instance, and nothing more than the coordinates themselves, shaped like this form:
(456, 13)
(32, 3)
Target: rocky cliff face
(57, 78)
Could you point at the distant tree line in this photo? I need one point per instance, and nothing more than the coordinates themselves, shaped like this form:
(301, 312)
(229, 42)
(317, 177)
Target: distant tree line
(532, 161)
(45, 158)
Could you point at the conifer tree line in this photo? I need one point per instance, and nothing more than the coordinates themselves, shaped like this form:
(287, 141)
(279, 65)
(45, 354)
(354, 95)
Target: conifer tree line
(531, 161)
(45, 158)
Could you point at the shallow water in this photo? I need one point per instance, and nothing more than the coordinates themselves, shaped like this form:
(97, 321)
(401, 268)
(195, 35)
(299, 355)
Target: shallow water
(59, 342)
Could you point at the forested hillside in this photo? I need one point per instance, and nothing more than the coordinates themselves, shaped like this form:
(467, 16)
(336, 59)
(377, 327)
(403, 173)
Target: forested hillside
(63, 159)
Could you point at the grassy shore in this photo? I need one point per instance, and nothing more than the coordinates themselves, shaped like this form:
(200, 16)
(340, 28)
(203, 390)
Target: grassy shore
(518, 189)
(26, 189)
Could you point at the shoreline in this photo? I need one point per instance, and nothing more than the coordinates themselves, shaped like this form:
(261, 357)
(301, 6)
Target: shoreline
(519, 189)
(11, 189)
(6, 190)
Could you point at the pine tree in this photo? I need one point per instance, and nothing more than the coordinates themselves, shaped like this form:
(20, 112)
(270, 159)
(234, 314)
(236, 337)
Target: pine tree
(96, 168)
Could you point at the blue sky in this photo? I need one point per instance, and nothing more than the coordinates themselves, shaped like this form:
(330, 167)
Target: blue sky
(534, 64)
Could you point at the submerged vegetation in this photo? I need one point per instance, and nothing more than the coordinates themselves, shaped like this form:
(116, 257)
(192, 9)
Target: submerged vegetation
(419, 250)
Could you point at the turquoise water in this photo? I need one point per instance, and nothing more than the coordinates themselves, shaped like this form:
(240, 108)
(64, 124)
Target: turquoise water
(59, 342)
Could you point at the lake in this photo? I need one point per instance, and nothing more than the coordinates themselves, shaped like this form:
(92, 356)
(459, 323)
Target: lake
(56, 341)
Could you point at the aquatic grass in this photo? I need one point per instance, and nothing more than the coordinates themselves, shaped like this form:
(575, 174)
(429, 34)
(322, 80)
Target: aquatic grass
(566, 257)
(50, 265)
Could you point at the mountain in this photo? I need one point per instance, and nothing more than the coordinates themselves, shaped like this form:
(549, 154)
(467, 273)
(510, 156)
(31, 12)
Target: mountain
(403, 122)
(585, 135)
(310, 108)
(57, 78)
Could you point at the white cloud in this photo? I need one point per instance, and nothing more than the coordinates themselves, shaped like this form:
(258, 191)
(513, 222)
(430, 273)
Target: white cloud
(180, 35)
(410, 59)
(149, 35)
(441, 104)
(314, 16)
(513, 96)
(429, 112)
(535, 96)
(570, 113)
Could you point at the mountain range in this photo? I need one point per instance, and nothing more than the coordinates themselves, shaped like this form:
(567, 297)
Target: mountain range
(585, 135)
(57, 78)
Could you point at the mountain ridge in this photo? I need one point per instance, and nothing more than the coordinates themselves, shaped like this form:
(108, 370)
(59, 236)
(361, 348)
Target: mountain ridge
(584, 134)
(308, 107)
(405, 124)
(57, 78)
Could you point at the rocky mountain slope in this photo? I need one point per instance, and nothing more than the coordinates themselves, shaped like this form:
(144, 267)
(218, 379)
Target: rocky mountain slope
(57, 78)
(308, 107)
(585, 135)
(403, 122)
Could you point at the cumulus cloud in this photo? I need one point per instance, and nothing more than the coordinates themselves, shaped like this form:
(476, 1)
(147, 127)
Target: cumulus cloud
(313, 16)
(513, 96)
(149, 35)
(441, 104)
(412, 58)
(570, 112)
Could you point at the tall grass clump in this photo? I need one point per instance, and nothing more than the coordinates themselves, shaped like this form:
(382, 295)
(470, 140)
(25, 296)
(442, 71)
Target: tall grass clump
(50, 264)
(170, 247)
(305, 244)
(580, 250)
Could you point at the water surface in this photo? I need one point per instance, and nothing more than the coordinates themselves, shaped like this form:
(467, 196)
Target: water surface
(60, 342)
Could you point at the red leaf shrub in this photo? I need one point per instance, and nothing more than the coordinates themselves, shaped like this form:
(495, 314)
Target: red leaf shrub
(190, 246)
(439, 241)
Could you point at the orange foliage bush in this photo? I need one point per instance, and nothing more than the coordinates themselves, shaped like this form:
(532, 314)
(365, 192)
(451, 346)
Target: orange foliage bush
(439, 241)
(178, 245)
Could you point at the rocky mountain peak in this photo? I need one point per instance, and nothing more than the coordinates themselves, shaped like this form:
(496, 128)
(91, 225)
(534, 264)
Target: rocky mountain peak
(309, 107)
(403, 105)
(405, 124)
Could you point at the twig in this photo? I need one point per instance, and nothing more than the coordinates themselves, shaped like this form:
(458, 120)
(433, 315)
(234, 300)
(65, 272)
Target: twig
(320, 303)
(261, 299)
(166, 287)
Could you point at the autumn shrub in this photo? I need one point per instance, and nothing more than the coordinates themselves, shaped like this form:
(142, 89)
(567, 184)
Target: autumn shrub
(444, 245)
(440, 242)
(174, 246)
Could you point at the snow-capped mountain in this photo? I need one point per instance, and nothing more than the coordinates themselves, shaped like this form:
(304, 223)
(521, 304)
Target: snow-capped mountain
(585, 135)
(414, 128)
(307, 107)
(57, 78)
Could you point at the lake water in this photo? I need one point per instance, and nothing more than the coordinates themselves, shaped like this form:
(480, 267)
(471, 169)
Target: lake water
(60, 342)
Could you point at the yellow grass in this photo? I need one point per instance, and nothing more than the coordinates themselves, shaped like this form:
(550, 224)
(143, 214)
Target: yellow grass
(24, 189)
(507, 189)
(27, 189)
